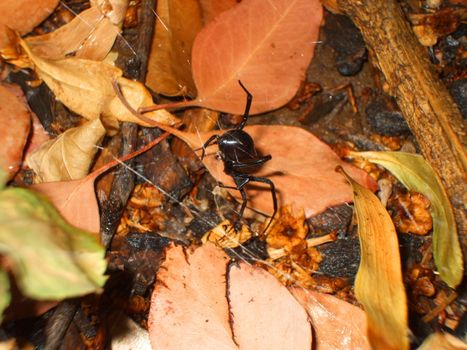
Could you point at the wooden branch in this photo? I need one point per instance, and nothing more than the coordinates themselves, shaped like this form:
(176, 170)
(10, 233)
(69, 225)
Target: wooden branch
(427, 106)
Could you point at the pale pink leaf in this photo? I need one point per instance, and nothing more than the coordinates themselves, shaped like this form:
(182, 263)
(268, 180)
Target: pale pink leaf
(337, 325)
(264, 314)
(267, 45)
(189, 309)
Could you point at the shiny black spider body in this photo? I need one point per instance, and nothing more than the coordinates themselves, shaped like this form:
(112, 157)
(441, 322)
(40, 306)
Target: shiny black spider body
(240, 157)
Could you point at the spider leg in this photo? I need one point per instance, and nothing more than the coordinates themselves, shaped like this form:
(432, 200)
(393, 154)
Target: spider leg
(249, 100)
(211, 140)
(247, 164)
(242, 179)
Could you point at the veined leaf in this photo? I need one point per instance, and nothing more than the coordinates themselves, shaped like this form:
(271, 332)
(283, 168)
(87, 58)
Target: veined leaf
(378, 285)
(417, 175)
(50, 259)
(69, 156)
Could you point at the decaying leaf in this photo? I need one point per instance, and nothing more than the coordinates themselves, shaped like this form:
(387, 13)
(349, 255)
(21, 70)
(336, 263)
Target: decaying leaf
(378, 284)
(87, 88)
(23, 16)
(15, 121)
(226, 236)
(265, 44)
(417, 175)
(68, 156)
(50, 259)
(336, 323)
(443, 341)
(189, 309)
(264, 314)
(89, 35)
(304, 177)
(69, 196)
(169, 66)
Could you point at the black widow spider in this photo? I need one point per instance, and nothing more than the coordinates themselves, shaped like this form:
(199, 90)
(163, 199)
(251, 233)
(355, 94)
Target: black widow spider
(240, 157)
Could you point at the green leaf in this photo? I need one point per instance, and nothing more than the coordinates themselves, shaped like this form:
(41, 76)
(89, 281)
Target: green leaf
(5, 296)
(417, 175)
(50, 258)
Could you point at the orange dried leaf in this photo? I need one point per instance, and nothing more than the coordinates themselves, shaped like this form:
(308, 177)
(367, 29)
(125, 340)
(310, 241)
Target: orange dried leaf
(15, 121)
(23, 16)
(302, 169)
(169, 66)
(379, 286)
(212, 8)
(265, 44)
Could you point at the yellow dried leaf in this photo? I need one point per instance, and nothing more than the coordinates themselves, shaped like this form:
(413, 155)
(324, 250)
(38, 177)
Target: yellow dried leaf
(169, 66)
(417, 175)
(378, 285)
(69, 156)
(86, 87)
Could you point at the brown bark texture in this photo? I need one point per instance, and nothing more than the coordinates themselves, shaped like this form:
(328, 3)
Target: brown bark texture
(426, 104)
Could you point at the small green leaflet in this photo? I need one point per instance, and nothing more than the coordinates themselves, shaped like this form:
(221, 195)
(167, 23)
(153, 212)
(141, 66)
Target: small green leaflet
(417, 175)
(51, 260)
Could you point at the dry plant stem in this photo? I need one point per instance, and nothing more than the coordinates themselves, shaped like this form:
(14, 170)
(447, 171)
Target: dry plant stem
(124, 180)
(58, 323)
(424, 101)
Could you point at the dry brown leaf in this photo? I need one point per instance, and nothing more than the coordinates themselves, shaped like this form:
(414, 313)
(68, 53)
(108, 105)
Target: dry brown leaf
(89, 35)
(15, 121)
(38, 136)
(302, 169)
(337, 325)
(169, 66)
(69, 155)
(86, 87)
(379, 286)
(267, 45)
(23, 16)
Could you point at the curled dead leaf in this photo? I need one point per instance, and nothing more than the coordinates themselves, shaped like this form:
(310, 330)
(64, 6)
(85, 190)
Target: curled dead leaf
(87, 88)
(69, 156)
(379, 286)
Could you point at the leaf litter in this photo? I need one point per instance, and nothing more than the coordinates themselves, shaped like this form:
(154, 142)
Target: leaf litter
(253, 196)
